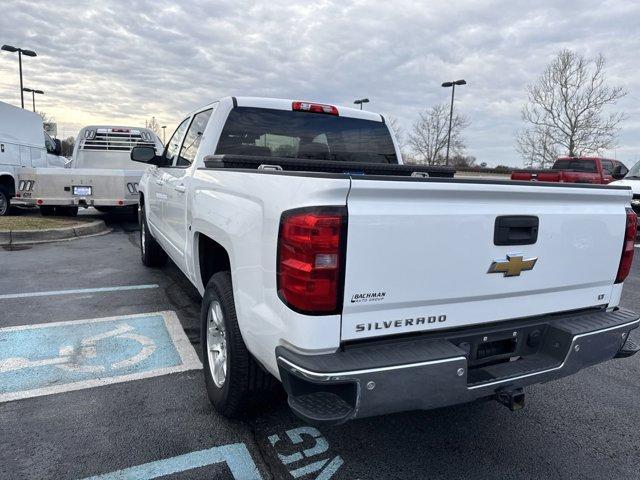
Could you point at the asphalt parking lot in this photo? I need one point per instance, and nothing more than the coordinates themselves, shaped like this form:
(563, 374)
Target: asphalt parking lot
(148, 415)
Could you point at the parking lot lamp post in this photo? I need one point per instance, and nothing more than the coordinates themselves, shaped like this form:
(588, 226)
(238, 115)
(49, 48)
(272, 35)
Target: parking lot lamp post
(361, 101)
(28, 53)
(453, 92)
(164, 134)
(33, 95)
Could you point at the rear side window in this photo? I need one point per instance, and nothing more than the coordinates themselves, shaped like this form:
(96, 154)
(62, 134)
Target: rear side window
(306, 135)
(192, 139)
(576, 165)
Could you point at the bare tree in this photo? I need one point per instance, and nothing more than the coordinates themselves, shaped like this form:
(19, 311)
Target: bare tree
(398, 132)
(46, 118)
(537, 147)
(153, 125)
(428, 138)
(462, 161)
(566, 109)
(67, 146)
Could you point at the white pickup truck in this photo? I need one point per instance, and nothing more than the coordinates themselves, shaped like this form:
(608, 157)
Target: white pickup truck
(367, 286)
(100, 174)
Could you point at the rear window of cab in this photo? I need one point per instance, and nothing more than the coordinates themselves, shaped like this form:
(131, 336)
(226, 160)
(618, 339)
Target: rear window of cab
(306, 135)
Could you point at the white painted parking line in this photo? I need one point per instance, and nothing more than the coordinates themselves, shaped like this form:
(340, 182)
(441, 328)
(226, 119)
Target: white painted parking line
(236, 456)
(58, 357)
(77, 290)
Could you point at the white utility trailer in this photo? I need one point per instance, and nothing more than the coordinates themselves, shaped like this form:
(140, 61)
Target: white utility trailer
(100, 174)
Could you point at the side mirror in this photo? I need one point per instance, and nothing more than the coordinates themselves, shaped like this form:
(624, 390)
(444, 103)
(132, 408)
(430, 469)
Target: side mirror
(617, 173)
(145, 155)
(58, 148)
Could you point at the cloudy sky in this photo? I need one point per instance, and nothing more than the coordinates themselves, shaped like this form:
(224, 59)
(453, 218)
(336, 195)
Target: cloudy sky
(122, 62)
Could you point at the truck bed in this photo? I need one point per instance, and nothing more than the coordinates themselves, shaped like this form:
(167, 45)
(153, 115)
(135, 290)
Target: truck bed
(54, 186)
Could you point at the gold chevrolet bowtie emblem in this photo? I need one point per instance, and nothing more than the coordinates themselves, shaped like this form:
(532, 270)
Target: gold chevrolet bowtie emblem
(513, 265)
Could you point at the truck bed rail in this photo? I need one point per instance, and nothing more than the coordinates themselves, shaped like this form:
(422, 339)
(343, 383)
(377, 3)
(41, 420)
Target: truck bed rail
(329, 166)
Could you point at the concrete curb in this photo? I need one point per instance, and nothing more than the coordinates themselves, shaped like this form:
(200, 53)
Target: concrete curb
(21, 237)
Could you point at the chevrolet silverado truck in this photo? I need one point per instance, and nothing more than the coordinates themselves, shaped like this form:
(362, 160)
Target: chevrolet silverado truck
(100, 174)
(367, 286)
(576, 170)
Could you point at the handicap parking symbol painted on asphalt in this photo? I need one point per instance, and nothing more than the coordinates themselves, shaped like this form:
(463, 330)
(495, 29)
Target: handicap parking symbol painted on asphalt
(58, 357)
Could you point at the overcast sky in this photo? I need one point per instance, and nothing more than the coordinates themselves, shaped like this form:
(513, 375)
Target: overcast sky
(121, 62)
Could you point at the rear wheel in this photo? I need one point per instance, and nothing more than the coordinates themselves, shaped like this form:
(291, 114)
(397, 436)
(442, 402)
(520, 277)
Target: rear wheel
(151, 252)
(5, 202)
(232, 376)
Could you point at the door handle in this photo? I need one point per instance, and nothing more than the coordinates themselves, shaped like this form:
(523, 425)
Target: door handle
(180, 188)
(159, 182)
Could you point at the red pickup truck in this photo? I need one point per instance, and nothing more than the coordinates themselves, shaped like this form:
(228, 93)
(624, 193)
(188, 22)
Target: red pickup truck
(576, 170)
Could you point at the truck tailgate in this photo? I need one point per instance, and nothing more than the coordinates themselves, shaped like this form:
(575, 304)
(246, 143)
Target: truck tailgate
(419, 253)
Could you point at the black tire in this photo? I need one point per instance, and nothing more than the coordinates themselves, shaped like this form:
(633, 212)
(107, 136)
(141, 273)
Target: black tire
(47, 210)
(151, 252)
(66, 211)
(245, 379)
(5, 201)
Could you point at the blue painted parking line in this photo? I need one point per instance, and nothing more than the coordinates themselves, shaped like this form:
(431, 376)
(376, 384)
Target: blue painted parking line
(9, 296)
(236, 456)
(57, 357)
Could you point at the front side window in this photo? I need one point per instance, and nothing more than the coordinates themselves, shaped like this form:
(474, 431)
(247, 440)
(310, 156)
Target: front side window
(193, 138)
(607, 167)
(283, 133)
(173, 147)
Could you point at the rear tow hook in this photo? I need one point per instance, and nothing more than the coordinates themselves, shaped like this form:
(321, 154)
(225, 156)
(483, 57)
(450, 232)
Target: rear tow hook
(510, 397)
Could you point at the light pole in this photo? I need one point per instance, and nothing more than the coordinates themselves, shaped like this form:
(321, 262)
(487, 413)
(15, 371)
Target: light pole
(28, 53)
(453, 92)
(33, 95)
(164, 134)
(361, 101)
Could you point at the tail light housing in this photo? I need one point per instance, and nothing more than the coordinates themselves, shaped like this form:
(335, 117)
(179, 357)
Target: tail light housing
(311, 254)
(627, 249)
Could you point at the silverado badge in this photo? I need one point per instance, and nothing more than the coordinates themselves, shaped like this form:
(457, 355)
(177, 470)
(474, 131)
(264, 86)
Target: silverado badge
(513, 265)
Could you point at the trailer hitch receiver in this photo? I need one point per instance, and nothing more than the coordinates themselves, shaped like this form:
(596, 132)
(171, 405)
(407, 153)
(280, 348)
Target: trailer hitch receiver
(511, 397)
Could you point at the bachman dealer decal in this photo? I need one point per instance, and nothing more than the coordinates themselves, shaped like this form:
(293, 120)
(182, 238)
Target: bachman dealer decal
(368, 297)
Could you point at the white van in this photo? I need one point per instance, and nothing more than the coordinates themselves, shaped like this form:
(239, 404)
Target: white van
(23, 143)
(101, 173)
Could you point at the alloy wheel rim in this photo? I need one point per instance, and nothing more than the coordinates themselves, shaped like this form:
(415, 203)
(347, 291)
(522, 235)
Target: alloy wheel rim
(216, 344)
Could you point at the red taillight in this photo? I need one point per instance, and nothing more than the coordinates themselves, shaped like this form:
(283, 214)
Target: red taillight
(314, 108)
(310, 259)
(628, 246)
